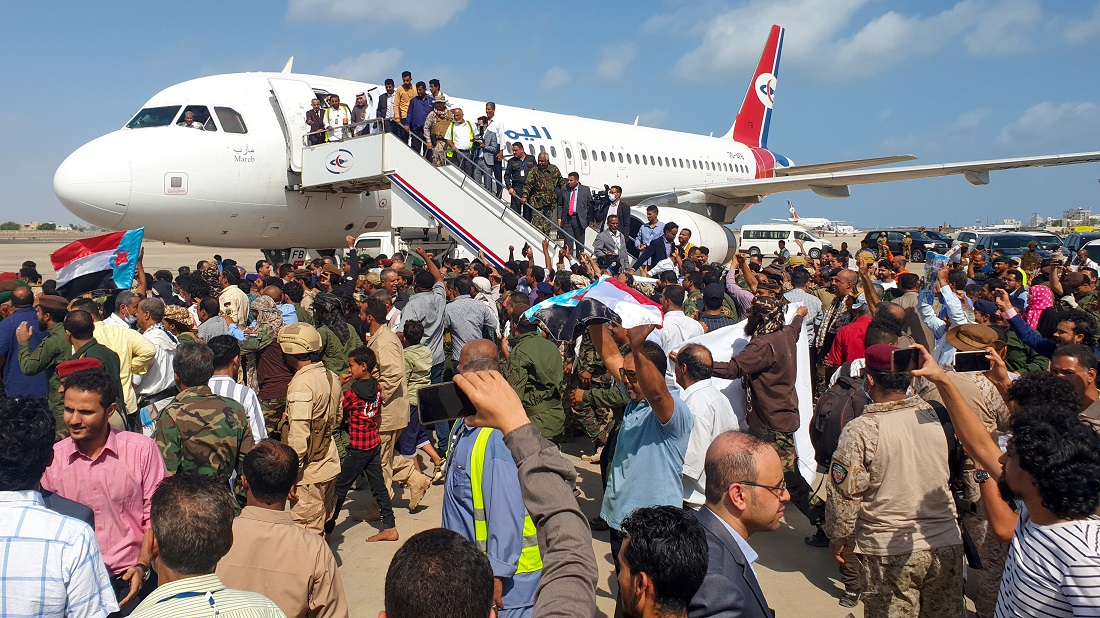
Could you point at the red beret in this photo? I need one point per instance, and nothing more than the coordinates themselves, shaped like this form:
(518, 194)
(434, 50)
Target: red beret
(880, 356)
(78, 364)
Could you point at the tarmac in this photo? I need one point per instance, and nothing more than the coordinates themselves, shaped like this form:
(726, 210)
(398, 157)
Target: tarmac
(796, 579)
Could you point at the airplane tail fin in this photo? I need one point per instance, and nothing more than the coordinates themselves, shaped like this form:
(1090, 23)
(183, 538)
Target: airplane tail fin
(794, 213)
(754, 118)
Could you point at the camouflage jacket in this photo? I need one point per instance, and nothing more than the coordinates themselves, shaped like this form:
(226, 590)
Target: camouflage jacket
(541, 186)
(202, 433)
(587, 359)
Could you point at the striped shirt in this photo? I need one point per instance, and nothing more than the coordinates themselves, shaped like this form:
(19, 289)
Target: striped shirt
(205, 595)
(1052, 570)
(225, 386)
(50, 564)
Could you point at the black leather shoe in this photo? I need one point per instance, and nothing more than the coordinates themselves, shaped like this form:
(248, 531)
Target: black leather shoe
(818, 539)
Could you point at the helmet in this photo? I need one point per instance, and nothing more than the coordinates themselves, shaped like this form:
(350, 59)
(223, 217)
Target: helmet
(299, 338)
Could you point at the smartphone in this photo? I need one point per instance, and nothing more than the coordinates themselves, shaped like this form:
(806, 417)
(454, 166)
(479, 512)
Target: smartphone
(443, 402)
(966, 362)
(906, 360)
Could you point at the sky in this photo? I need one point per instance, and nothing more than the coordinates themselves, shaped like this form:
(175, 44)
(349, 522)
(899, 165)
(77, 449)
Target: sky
(945, 81)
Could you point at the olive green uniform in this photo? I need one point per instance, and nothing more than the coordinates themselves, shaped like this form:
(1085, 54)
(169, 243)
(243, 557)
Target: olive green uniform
(534, 369)
(53, 351)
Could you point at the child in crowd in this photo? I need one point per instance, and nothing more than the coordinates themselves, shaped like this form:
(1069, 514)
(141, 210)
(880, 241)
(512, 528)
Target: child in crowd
(362, 405)
(418, 367)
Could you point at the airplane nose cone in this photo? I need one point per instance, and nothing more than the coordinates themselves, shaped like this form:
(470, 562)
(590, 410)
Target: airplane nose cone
(93, 183)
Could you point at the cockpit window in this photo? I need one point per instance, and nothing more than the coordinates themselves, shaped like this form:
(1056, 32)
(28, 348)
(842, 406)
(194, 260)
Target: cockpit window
(196, 117)
(232, 122)
(153, 117)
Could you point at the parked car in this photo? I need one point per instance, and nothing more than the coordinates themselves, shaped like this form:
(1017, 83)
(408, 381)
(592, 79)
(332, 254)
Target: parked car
(921, 244)
(939, 237)
(1074, 241)
(764, 239)
(1014, 244)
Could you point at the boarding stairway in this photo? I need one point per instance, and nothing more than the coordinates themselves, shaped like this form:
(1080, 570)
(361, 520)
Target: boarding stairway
(424, 198)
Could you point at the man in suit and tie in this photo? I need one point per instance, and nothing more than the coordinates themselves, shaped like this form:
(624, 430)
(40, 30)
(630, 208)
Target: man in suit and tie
(315, 118)
(745, 493)
(659, 249)
(574, 200)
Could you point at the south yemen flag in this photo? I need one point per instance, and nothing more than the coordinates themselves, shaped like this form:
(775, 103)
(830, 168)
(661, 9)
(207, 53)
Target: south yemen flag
(98, 263)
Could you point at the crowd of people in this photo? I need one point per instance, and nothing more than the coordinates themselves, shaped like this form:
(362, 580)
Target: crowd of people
(163, 449)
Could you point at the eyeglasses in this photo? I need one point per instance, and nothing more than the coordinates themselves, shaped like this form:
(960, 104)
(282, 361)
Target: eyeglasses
(629, 375)
(777, 490)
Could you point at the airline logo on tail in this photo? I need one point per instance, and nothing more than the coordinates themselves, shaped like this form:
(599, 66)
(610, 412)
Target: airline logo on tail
(751, 126)
(794, 212)
(765, 89)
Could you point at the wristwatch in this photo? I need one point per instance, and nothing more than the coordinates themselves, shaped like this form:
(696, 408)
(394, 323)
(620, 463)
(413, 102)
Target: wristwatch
(145, 571)
(981, 476)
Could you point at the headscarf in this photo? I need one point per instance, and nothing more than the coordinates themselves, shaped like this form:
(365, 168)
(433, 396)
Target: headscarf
(179, 315)
(1039, 298)
(211, 275)
(267, 314)
(328, 311)
(767, 315)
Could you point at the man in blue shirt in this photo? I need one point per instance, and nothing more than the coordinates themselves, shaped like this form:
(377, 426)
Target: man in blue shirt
(16, 383)
(650, 231)
(649, 448)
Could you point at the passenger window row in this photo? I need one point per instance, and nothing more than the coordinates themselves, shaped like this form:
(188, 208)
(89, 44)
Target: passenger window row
(606, 156)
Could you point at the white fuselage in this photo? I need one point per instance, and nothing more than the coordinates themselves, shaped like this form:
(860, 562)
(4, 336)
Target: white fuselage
(219, 188)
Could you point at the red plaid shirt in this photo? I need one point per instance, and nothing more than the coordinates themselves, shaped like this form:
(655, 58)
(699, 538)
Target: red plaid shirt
(362, 419)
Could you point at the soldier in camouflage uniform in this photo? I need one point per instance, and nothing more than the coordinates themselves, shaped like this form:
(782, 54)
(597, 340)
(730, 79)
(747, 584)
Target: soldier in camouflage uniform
(541, 192)
(435, 129)
(200, 432)
(889, 499)
(588, 372)
(313, 412)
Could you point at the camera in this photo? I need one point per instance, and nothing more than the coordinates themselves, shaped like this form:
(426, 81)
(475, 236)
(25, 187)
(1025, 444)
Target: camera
(600, 198)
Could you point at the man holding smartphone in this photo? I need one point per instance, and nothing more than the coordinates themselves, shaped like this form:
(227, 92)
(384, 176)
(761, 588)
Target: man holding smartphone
(889, 494)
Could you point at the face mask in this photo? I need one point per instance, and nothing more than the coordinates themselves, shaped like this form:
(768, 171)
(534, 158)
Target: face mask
(614, 198)
(131, 320)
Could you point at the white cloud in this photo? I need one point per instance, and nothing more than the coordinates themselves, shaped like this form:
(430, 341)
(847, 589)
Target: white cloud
(973, 118)
(424, 16)
(615, 60)
(1049, 122)
(372, 66)
(555, 78)
(1081, 31)
(827, 42)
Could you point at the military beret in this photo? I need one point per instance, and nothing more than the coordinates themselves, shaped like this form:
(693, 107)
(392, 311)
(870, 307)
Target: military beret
(416, 261)
(372, 278)
(985, 306)
(545, 288)
(9, 285)
(51, 302)
(768, 284)
(5, 297)
(1002, 259)
(880, 356)
(78, 364)
(332, 269)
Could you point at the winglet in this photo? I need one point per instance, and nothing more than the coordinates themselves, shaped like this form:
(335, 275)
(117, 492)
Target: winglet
(288, 66)
(754, 119)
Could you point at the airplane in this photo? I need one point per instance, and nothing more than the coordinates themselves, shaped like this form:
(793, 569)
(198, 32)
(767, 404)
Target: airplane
(811, 223)
(235, 184)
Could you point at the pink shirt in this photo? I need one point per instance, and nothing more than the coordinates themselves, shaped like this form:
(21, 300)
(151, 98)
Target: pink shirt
(118, 486)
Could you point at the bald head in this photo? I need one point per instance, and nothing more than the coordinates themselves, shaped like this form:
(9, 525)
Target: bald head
(22, 297)
(274, 293)
(479, 355)
(895, 310)
(731, 458)
(848, 276)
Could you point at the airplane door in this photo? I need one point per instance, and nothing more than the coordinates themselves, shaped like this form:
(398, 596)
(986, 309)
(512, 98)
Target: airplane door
(567, 151)
(293, 98)
(585, 168)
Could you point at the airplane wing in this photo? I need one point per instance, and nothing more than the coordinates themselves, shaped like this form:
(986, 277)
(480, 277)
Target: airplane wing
(839, 166)
(835, 184)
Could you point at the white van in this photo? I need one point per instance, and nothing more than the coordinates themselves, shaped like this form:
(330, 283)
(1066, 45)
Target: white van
(764, 239)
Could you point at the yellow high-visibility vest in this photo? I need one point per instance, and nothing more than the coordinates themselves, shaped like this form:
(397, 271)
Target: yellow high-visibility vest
(530, 558)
